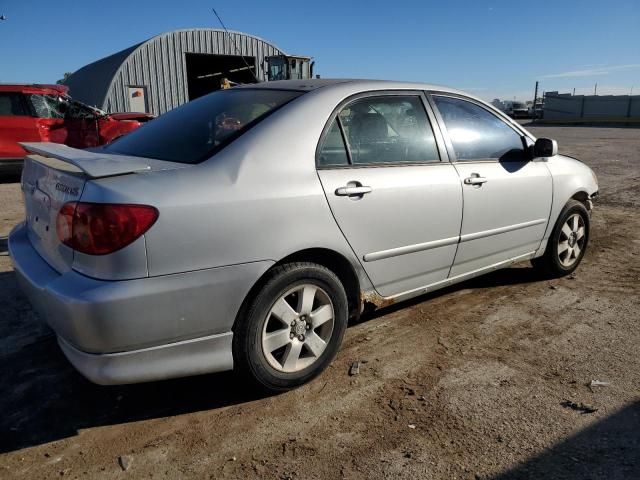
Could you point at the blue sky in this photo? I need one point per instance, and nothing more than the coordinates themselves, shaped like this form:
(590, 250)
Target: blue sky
(492, 49)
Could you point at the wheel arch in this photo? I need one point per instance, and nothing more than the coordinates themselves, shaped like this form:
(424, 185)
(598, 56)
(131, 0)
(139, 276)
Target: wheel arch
(579, 194)
(328, 258)
(582, 196)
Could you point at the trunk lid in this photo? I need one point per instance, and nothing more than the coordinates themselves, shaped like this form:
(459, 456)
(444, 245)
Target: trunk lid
(91, 164)
(45, 190)
(55, 174)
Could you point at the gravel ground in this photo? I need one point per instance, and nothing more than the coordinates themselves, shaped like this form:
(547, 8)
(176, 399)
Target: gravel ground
(482, 380)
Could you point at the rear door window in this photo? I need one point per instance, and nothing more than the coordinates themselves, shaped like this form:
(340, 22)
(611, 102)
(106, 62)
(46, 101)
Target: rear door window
(197, 130)
(388, 130)
(333, 151)
(12, 104)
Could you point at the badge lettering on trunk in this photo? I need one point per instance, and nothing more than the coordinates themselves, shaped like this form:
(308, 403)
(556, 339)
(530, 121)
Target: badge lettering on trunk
(66, 189)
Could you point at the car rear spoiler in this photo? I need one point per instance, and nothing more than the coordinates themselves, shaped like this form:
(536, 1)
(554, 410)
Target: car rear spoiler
(91, 164)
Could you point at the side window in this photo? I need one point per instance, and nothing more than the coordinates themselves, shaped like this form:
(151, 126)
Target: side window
(12, 104)
(392, 129)
(333, 151)
(476, 133)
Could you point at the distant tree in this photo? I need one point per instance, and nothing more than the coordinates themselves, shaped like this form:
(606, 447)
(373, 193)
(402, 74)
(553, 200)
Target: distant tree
(64, 78)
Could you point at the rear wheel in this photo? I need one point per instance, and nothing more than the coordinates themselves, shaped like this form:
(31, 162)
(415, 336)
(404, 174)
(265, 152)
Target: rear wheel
(292, 328)
(568, 242)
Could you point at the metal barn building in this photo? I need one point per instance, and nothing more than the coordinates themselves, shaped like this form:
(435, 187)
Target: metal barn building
(174, 67)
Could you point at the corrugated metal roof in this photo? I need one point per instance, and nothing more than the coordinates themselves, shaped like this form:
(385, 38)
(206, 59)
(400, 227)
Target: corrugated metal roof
(158, 64)
(91, 82)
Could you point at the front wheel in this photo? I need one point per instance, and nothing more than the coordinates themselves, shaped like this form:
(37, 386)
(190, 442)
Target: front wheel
(292, 328)
(567, 243)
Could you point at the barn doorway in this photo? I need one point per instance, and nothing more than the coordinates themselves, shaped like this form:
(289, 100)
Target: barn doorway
(206, 71)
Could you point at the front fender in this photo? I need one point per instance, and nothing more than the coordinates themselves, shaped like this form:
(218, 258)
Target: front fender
(571, 177)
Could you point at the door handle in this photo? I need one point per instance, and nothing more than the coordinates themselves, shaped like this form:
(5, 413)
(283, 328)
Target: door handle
(352, 191)
(475, 179)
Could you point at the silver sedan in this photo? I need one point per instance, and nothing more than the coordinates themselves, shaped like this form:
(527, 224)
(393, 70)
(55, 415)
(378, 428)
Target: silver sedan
(244, 229)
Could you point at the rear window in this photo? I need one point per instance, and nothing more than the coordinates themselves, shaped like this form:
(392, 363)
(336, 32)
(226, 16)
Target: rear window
(195, 131)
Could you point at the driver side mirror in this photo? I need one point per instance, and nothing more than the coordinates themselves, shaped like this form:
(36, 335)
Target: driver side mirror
(545, 147)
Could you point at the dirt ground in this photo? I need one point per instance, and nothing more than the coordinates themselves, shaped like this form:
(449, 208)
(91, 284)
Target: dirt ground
(470, 382)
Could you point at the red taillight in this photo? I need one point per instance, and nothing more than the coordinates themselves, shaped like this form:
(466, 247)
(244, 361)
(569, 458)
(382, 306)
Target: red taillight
(101, 228)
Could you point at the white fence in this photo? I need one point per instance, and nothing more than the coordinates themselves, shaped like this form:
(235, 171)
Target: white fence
(591, 108)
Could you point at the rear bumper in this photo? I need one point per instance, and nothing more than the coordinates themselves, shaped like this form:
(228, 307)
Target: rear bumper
(137, 330)
(179, 359)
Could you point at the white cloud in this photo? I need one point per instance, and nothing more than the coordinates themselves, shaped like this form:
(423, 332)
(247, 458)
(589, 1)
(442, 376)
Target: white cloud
(590, 72)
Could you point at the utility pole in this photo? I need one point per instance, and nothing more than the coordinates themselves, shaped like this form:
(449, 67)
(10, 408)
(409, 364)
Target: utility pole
(595, 89)
(574, 91)
(535, 99)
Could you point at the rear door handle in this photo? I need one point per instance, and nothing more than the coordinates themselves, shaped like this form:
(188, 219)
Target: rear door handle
(475, 179)
(353, 191)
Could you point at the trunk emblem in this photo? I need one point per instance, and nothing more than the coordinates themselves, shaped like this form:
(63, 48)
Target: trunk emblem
(61, 187)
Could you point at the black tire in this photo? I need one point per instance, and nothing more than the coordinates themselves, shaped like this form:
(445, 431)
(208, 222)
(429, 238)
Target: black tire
(550, 264)
(249, 359)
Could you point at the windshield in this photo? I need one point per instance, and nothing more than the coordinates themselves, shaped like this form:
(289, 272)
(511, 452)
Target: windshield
(195, 131)
(54, 106)
(48, 106)
(277, 68)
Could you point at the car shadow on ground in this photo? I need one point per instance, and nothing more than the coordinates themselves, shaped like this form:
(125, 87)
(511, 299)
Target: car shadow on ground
(609, 449)
(4, 251)
(44, 399)
(518, 275)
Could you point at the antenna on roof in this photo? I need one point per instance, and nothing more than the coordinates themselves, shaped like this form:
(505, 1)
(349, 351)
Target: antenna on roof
(233, 42)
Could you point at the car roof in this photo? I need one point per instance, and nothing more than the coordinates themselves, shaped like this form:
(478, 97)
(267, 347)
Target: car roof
(335, 90)
(34, 88)
(355, 84)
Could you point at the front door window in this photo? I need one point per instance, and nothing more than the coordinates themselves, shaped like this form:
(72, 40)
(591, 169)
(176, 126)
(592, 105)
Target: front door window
(476, 133)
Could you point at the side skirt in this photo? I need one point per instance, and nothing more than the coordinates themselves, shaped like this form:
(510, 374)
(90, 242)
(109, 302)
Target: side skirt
(379, 301)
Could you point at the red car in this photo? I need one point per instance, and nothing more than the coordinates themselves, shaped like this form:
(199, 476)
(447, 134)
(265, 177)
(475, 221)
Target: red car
(45, 113)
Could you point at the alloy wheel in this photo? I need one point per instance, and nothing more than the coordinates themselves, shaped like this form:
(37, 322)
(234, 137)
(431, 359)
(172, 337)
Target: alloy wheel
(571, 241)
(298, 328)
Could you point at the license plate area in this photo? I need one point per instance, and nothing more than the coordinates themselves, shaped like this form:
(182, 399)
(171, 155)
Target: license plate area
(39, 214)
